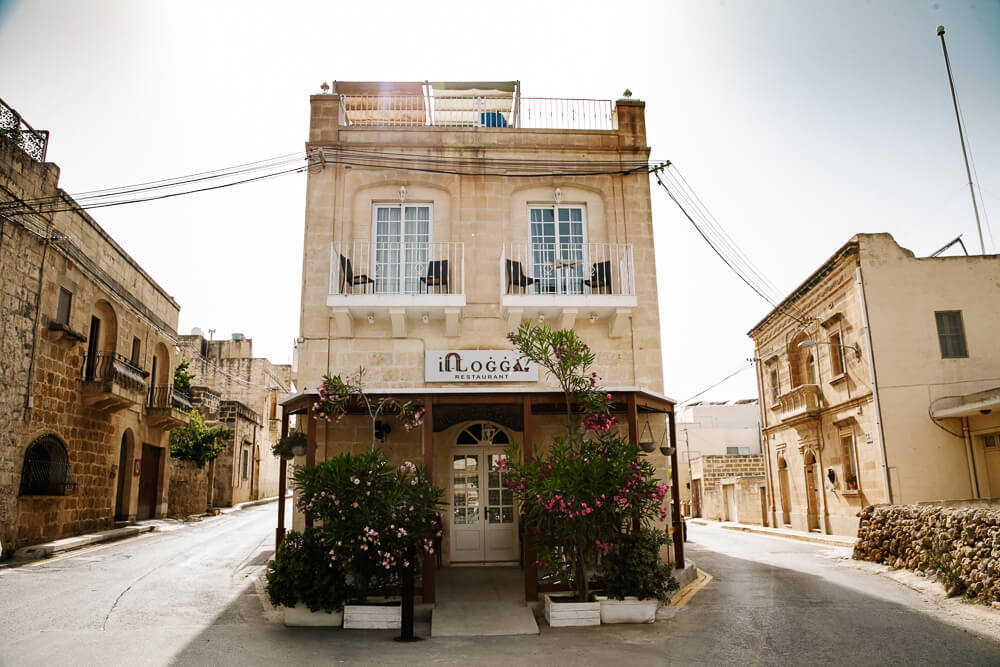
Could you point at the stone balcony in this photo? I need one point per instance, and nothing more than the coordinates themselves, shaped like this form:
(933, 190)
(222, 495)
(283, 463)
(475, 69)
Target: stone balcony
(167, 408)
(111, 383)
(803, 401)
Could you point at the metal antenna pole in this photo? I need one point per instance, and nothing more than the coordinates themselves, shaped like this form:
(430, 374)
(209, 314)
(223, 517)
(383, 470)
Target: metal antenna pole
(961, 136)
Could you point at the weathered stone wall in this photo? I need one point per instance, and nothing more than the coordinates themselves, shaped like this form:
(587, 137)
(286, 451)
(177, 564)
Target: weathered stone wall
(188, 488)
(741, 476)
(960, 545)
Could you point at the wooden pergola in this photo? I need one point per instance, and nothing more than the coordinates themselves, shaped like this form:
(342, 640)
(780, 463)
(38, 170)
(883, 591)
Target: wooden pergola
(530, 402)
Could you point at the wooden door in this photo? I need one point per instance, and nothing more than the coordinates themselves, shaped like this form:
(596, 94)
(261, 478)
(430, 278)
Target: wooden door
(149, 482)
(124, 471)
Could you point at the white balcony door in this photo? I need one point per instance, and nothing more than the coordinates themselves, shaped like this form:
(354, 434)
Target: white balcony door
(402, 245)
(558, 235)
(484, 524)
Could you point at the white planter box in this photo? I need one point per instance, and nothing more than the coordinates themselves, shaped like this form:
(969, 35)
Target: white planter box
(562, 614)
(373, 616)
(629, 610)
(299, 616)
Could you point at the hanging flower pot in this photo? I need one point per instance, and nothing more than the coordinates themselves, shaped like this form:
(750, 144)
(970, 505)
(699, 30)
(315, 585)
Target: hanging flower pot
(293, 444)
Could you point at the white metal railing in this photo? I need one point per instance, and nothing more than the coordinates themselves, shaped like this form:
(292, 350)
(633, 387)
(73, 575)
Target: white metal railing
(406, 267)
(509, 111)
(568, 268)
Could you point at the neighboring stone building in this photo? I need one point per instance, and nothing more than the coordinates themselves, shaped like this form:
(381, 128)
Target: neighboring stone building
(248, 390)
(86, 357)
(729, 488)
(713, 428)
(431, 231)
(879, 380)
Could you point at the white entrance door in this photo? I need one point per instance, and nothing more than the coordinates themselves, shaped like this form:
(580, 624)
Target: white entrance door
(483, 522)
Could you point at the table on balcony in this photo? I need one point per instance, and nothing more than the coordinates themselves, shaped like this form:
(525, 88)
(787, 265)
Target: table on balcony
(563, 269)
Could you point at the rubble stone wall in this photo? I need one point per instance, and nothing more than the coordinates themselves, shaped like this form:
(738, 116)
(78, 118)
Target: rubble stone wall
(960, 545)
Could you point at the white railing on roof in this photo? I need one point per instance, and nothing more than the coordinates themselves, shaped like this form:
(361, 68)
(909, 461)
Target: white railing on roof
(361, 267)
(509, 111)
(568, 268)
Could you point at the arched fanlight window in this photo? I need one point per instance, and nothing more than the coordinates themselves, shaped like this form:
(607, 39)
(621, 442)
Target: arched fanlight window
(482, 433)
(46, 470)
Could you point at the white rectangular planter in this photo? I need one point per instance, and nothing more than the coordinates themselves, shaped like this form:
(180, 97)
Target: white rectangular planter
(373, 616)
(299, 616)
(562, 614)
(629, 610)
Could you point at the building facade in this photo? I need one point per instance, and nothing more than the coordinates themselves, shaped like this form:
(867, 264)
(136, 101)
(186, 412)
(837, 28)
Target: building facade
(248, 393)
(86, 361)
(729, 488)
(878, 377)
(713, 428)
(438, 218)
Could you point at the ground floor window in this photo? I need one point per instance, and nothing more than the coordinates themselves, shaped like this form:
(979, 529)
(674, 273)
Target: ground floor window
(46, 470)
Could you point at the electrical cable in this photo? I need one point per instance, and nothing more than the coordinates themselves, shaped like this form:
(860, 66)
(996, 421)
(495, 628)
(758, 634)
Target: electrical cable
(728, 377)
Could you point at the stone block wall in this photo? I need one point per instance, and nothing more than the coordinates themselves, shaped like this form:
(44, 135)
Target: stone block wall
(959, 545)
(742, 476)
(188, 488)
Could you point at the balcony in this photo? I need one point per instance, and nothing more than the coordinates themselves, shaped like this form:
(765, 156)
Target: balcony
(496, 105)
(167, 408)
(803, 401)
(398, 282)
(559, 283)
(111, 383)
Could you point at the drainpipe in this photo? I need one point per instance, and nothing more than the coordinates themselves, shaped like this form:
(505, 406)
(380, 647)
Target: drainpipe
(874, 382)
(973, 475)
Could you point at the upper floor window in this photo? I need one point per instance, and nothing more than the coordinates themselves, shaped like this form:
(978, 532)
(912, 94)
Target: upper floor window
(775, 387)
(558, 234)
(836, 354)
(951, 334)
(136, 347)
(65, 306)
(811, 370)
(402, 247)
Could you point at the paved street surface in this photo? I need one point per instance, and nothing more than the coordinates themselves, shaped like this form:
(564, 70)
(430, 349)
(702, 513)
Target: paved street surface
(188, 597)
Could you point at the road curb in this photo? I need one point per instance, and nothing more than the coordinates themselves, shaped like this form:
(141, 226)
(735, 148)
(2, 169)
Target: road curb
(50, 549)
(830, 540)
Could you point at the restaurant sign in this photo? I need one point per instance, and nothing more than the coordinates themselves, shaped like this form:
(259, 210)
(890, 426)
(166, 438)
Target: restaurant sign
(478, 366)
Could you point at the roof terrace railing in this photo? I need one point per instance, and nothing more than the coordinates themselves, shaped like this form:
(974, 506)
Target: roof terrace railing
(33, 142)
(428, 110)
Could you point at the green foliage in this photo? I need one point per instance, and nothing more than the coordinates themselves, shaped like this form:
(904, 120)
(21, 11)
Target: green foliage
(303, 572)
(284, 446)
(337, 394)
(632, 566)
(375, 518)
(183, 377)
(195, 442)
(592, 487)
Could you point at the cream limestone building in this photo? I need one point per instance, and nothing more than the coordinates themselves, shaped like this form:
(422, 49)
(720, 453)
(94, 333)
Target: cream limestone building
(438, 218)
(880, 381)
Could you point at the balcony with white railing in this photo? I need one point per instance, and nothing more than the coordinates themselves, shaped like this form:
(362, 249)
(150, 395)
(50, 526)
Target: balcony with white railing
(803, 401)
(560, 282)
(396, 282)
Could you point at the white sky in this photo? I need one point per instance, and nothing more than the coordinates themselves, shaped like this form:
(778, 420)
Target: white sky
(798, 123)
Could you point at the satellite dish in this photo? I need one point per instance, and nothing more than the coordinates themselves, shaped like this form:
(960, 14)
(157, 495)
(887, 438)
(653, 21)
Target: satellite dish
(196, 331)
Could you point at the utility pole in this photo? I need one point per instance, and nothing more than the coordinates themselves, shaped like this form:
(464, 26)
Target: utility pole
(961, 137)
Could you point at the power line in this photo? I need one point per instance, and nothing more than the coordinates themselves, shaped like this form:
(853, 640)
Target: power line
(730, 376)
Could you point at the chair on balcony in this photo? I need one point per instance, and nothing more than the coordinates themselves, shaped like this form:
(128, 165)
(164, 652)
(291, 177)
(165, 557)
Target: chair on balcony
(348, 277)
(437, 275)
(600, 277)
(515, 276)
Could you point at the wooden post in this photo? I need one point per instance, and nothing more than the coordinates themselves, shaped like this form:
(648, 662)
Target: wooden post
(279, 533)
(675, 496)
(430, 560)
(528, 548)
(310, 452)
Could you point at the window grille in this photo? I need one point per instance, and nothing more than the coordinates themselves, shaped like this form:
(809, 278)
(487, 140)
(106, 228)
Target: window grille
(65, 305)
(46, 470)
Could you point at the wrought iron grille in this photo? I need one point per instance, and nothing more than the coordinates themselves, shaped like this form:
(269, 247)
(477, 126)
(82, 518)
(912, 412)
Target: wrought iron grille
(46, 469)
(165, 396)
(33, 142)
(113, 367)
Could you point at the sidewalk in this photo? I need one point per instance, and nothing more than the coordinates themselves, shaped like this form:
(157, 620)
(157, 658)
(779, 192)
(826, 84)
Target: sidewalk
(819, 538)
(56, 547)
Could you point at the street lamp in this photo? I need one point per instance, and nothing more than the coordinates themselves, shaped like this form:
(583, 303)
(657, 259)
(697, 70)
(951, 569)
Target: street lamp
(810, 343)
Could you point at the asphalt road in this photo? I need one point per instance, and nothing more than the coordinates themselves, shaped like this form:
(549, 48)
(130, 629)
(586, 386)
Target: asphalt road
(187, 597)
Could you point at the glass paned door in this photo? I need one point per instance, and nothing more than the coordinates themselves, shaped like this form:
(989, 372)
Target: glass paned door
(402, 247)
(557, 249)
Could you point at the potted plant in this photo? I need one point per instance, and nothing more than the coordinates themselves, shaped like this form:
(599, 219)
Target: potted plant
(291, 445)
(302, 580)
(636, 581)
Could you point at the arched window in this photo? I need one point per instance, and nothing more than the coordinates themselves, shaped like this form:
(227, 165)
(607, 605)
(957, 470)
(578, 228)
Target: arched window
(46, 469)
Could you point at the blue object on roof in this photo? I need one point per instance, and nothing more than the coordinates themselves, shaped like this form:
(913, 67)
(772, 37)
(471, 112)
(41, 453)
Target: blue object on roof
(493, 119)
